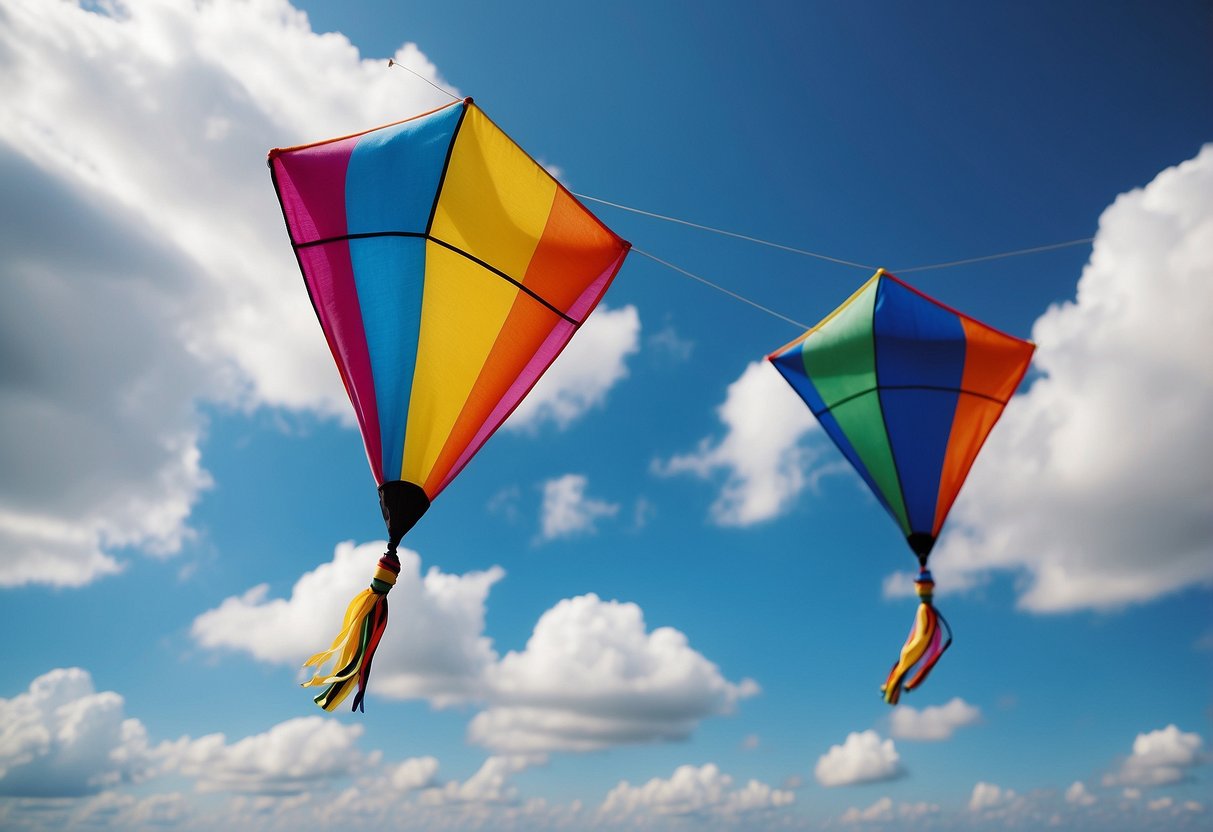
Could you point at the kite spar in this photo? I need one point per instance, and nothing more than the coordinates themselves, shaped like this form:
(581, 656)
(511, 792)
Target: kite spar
(908, 389)
(448, 270)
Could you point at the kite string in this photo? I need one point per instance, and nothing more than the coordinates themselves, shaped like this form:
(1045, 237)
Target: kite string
(391, 62)
(839, 261)
(733, 234)
(999, 256)
(721, 289)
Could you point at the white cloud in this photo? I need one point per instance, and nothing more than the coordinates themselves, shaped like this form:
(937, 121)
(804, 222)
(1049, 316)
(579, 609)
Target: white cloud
(505, 503)
(692, 791)
(289, 758)
(65, 751)
(113, 810)
(862, 758)
(666, 341)
(917, 811)
(642, 512)
(1077, 795)
(1099, 505)
(435, 647)
(934, 723)
(881, 810)
(99, 440)
(490, 783)
(414, 773)
(63, 739)
(143, 255)
(592, 676)
(567, 511)
(1159, 758)
(108, 809)
(146, 266)
(761, 454)
(1163, 804)
(987, 797)
(594, 361)
(373, 796)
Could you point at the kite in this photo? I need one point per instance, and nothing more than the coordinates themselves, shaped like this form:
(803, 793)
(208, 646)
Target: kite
(908, 389)
(448, 270)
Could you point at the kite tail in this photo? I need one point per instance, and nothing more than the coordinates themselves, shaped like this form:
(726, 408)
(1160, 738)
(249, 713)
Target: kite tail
(354, 647)
(924, 646)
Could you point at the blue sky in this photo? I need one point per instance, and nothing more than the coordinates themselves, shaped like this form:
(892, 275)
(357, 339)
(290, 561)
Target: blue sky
(657, 598)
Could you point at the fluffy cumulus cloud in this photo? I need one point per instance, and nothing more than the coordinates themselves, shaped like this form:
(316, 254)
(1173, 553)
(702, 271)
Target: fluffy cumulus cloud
(491, 783)
(1176, 808)
(579, 380)
(692, 791)
(143, 257)
(95, 380)
(409, 796)
(883, 812)
(1089, 486)
(592, 676)
(933, 723)
(987, 797)
(145, 264)
(762, 455)
(667, 343)
(1077, 795)
(862, 758)
(290, 758)
(68, 756)
(568, 511)
(879, 812)
(1159, 758)
(436, 649)
(414, 773)
(114, 810)
(61, 738)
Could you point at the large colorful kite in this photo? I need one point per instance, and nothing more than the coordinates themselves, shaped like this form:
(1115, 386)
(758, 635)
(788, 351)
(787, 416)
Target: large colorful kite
(448, 270)
(908, 389)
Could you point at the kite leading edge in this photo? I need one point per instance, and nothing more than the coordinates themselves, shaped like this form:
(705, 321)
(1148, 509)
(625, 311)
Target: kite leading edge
(447, 270)
(908, 389)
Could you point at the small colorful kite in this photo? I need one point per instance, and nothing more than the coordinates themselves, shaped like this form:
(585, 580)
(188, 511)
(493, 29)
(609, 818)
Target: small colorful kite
(448, 270)
(908, 389)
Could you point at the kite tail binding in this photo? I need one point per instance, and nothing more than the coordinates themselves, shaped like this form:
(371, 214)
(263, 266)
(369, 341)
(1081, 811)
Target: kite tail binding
(924, 646)
(354, 648)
